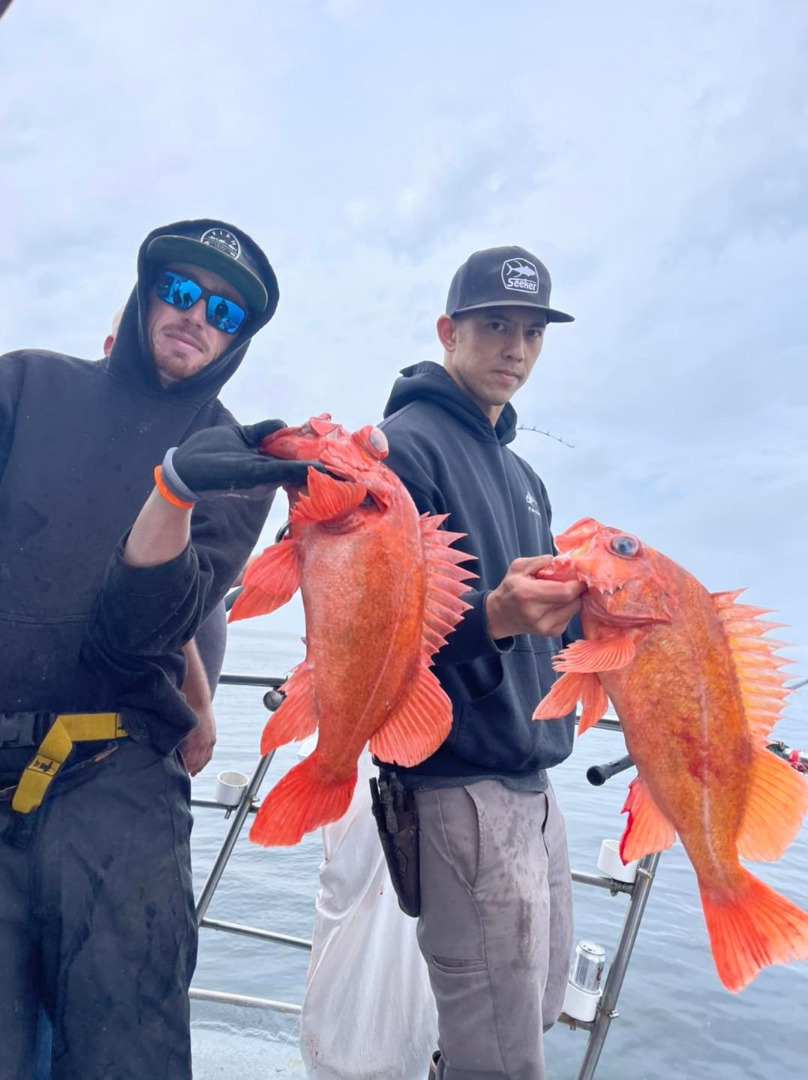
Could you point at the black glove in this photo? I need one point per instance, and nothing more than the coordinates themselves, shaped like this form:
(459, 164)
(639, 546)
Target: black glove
(226, 461)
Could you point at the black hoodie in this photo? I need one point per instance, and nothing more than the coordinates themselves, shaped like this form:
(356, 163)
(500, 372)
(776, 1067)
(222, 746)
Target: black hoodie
(454, 462)
(78, 444)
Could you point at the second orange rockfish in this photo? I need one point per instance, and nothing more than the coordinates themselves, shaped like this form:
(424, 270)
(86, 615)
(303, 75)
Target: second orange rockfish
(381, 590)
(697, 689)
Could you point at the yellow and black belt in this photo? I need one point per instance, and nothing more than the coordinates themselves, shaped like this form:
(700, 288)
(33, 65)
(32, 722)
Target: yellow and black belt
(55, 749)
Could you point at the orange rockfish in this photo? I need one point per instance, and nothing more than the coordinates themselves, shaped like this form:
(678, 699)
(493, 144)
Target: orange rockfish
(697, 689)
(381, 590)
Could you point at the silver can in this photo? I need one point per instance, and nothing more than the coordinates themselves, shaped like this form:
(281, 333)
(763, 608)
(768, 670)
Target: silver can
(587, 966)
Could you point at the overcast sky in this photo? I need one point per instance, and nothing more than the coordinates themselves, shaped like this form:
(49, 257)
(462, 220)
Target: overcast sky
(654, 156)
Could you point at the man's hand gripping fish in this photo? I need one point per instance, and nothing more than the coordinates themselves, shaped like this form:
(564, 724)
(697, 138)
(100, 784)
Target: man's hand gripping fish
(381, 590)
(697, 689)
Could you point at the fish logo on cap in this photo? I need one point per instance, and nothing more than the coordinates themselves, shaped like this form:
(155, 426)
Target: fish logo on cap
(222, 240)
(520, 275)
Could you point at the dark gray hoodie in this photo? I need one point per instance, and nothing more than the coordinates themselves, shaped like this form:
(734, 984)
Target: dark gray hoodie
(454, 462)
(79, 441)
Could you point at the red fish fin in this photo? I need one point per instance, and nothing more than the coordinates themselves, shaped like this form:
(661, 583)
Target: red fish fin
(445, 583)
(600, 654)
(419, 724)
(297, 715)
(307, 797)
(761, 682)
(327, 500)
(565, 694)
(270, 581)
(750, 928)
(648, 829)
(594, 702)
(776, 804)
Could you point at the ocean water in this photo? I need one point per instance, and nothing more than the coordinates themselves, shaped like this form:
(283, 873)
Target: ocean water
(676, 1020)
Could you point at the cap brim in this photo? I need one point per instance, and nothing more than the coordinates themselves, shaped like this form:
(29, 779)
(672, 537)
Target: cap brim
(166, 249)
(552, 314)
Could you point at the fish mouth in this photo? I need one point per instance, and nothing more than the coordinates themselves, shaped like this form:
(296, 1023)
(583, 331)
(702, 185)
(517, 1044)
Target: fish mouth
(596, 603)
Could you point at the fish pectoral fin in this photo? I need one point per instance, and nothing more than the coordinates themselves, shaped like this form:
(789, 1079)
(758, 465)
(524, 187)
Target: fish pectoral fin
(270, 581)
(328, 499)
(296, 717)
(565, 695)
(648, 830)
(776, 804)
(599, 654)
(419, 724)
(445, 582)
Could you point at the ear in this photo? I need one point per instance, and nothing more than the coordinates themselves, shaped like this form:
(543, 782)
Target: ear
(447, 333)
(109, 340)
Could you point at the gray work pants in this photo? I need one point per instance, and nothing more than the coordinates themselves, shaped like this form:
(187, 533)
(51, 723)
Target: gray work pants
(495, 925)
(97, 923)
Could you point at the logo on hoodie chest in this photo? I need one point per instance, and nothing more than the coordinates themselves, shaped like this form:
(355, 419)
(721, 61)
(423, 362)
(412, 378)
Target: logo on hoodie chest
(532, 504)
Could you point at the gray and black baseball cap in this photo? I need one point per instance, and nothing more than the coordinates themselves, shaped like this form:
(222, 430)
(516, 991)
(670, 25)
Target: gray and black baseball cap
(502, 277)
(225, 250)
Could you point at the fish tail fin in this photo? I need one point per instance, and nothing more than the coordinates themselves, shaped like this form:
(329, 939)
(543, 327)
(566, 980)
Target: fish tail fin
(307, 797)
(751, 927)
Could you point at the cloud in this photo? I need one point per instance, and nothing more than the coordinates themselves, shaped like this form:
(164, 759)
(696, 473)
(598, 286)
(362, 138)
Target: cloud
(653, 156)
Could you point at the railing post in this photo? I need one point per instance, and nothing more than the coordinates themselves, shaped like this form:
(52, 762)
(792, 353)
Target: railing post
(646, 871)
(225, 851)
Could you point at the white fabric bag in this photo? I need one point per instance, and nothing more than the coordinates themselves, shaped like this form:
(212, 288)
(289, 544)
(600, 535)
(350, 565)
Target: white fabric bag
(368, 1011)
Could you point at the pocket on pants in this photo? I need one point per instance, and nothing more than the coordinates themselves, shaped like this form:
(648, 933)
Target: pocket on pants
(462, 833)
(450, 965)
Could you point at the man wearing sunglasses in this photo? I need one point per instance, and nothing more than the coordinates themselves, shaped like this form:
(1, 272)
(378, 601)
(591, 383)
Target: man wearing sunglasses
(96, 906)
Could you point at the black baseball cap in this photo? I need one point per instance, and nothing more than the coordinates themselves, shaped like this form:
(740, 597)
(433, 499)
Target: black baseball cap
(502, 277)
(225, 250)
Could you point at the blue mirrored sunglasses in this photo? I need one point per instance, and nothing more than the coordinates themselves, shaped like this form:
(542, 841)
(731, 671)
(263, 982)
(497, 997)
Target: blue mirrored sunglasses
(183, 292)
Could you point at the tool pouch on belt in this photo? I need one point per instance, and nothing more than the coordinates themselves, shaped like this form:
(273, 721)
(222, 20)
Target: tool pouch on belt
(397, 822)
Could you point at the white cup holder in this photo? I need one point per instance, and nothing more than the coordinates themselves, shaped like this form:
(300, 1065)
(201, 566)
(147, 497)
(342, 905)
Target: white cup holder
(612, 865)
(230, 788)
(580, 1004)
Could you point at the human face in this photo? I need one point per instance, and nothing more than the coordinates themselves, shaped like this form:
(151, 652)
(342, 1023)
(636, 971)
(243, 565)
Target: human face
(490, 353)
(183, 342)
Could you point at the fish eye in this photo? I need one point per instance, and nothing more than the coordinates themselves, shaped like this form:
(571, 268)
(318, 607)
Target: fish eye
(378, 440)
(374, 440)
(625, 546)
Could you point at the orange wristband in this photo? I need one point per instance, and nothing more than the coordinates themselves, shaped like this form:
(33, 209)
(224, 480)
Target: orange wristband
(160, 484)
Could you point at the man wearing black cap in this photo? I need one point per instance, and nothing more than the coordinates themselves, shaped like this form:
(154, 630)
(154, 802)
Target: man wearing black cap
(496, 917)
(96, 905)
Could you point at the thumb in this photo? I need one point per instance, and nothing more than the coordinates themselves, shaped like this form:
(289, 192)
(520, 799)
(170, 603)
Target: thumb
(254, 433)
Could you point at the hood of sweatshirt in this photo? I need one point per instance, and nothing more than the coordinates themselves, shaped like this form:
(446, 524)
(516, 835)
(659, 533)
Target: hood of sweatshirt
(131, 359)
(431, 382)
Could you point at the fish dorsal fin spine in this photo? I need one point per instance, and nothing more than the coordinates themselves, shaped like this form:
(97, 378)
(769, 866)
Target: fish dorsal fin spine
(445, 582)
(760, 681)
(777, 799)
